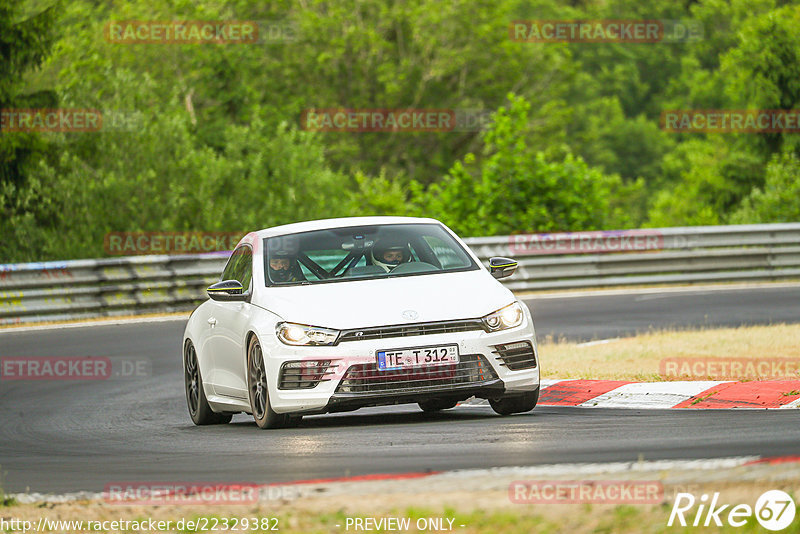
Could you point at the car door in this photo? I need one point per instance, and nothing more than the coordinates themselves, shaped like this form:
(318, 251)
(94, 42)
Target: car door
(227, 325)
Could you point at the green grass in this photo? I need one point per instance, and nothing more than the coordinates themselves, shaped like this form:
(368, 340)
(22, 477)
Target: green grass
(519, 519)
(5, 501)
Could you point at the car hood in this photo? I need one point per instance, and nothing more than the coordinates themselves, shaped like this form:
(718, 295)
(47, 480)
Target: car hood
(365, 303)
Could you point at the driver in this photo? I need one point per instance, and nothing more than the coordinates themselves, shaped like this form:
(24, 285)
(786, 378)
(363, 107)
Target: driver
(388, 254)
(283, 267)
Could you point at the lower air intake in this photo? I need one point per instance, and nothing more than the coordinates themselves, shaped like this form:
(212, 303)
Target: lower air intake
(516, 356)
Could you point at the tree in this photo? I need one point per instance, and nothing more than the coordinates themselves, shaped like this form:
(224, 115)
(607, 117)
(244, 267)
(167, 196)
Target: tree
(515, 188)
(779, 199)
(24, 45)
(764, 69)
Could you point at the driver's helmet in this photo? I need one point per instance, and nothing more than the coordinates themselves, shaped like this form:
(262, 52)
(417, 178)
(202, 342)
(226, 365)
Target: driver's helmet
(389, 253)
(287, 268)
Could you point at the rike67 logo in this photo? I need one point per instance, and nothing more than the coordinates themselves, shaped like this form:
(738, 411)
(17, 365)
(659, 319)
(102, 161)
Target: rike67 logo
(774, 510)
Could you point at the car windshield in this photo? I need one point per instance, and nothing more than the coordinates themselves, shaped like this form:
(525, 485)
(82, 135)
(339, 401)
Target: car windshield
(363, 252)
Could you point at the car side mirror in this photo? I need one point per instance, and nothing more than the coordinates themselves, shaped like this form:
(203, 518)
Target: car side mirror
(227, 291)
(502, 267)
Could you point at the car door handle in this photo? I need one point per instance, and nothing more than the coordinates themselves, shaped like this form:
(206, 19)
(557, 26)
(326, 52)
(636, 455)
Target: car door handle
(212, 321)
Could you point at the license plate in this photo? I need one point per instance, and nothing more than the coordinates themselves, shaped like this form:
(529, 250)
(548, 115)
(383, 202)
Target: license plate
(417, 357)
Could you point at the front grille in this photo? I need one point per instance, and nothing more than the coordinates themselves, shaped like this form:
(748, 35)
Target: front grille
(366, 378)
(516, 356)
(304, 374)
(414, 329)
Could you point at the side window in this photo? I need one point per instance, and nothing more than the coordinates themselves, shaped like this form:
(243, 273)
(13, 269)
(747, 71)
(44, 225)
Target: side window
(244, 271)
(240, 266)
(227, 272)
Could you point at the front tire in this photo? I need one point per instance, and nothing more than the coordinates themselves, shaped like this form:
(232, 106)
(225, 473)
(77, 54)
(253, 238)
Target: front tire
(263, 414)
(199, 409)
(515, 404)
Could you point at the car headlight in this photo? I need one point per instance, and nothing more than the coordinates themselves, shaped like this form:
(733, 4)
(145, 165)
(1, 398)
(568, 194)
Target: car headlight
(507, 317)
(300, 334)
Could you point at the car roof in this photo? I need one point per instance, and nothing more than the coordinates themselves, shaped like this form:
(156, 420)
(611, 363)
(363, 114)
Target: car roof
(344, 222)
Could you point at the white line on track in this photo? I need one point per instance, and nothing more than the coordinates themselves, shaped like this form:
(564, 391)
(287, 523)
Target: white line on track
(602, 468)
(794, 404)
(650, 394)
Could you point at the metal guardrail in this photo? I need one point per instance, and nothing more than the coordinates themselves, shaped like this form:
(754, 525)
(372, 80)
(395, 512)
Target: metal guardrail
(66, 290)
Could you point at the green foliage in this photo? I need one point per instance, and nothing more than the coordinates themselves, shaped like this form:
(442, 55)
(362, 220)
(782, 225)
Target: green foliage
(764, 69)
(4, 499)
(381, 196)
(215, 141)
(779, 199)
(25, 40)
(263, 178)
(416, 54)
(515, 188)
(766, 72)
(705, 181)
(632, 147)
(153, 175)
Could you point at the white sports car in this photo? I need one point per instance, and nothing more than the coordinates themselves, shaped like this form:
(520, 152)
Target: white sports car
(334, 315)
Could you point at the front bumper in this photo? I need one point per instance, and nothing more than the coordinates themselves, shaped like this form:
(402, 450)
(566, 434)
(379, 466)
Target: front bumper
(343, 402)
(336, 394)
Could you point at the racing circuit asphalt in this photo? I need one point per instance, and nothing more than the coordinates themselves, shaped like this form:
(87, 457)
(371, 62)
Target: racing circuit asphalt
(58, 436)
